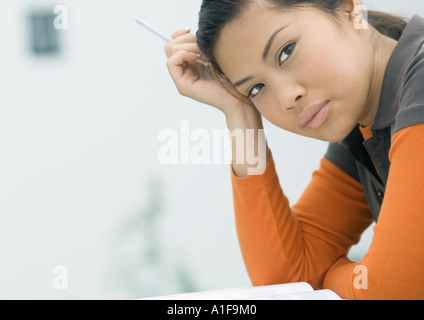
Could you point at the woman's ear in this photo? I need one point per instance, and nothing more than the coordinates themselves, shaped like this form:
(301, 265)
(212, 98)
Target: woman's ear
(349, 5)
(355, 13)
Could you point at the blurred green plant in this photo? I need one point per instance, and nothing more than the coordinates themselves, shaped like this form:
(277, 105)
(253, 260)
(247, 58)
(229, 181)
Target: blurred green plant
(142, 266)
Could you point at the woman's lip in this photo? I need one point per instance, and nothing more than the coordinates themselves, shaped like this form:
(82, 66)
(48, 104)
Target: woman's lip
(314, 116)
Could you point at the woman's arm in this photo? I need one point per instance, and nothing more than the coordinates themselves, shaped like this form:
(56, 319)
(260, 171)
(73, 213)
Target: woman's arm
(282, 244)
(395, 259)
(249, 148)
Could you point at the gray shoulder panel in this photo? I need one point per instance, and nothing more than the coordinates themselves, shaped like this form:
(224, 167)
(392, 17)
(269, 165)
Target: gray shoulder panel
(341, 157)
(411, 109)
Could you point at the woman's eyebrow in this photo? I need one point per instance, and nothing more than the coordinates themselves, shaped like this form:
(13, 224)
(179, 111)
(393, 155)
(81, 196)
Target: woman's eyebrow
(269, 44)
(239, 83)
(264, 56)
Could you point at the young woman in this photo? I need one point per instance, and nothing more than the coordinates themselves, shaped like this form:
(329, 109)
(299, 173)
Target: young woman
(316, 68)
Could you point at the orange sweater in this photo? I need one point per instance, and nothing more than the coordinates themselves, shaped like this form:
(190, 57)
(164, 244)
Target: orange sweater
(310, 240)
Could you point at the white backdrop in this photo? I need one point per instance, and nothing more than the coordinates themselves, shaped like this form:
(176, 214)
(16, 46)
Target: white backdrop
(86, 209)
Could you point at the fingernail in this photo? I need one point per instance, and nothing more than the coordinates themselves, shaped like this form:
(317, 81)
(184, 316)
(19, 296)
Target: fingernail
(204, 63)
(186, 29)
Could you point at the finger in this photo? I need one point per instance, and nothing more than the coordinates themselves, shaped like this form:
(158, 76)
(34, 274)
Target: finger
(185, 42)
(179, 43)
(174, 48)
(177, 63)
(180, 32)
(182, 39)
(185, 38)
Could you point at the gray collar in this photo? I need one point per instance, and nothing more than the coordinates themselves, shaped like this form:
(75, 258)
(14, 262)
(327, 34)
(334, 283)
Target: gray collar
(405, 50)
(374, 152)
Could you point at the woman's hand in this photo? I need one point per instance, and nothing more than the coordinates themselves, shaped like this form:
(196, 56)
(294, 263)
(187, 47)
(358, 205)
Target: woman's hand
(197, 81)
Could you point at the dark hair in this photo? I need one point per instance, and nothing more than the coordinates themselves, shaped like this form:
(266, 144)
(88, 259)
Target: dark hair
(215, 14)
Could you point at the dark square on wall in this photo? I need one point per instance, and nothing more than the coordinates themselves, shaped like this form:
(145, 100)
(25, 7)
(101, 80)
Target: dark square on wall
(44, 38)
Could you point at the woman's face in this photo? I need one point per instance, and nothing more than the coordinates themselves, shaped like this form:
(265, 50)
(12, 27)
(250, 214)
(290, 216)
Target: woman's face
(305, 72)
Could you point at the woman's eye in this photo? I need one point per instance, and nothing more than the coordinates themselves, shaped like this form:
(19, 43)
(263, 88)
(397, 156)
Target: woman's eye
(286, 52)
(255, 90)
(284, 55)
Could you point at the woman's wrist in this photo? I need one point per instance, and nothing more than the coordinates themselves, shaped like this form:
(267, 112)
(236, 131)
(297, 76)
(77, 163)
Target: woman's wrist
(249, 147)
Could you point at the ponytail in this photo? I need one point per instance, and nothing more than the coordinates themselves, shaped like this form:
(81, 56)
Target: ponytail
(387, 24)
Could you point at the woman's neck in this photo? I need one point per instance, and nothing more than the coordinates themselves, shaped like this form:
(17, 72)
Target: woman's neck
(383, 50)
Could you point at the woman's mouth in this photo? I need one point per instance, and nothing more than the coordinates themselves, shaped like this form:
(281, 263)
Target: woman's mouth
(313, 117)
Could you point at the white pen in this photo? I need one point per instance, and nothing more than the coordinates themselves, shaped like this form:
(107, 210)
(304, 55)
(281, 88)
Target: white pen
(161, 35)
(151, 28)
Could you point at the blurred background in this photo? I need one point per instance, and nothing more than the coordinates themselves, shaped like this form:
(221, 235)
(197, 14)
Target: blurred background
(87, 211)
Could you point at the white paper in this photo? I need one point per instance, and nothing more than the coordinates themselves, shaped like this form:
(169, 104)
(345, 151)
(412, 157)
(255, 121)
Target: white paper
(289, 291)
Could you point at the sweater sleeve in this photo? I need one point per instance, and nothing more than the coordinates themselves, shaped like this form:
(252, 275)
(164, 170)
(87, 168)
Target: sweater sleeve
(283, 244)
(392, 267)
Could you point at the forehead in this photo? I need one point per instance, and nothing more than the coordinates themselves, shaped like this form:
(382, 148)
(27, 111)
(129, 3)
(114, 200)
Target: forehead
(247, 35)
(249, 31)
(256, 19)
(243, 40)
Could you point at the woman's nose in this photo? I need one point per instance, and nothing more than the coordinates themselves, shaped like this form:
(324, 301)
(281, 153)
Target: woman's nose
(290, 96)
